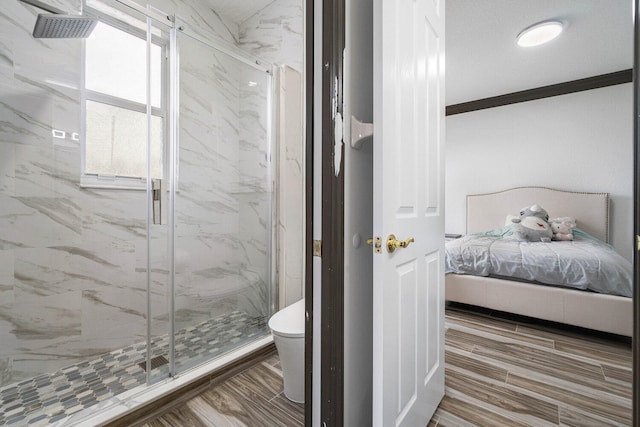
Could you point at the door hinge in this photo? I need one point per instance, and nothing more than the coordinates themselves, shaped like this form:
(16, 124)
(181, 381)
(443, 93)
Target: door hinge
(317, 248)
(637, 242)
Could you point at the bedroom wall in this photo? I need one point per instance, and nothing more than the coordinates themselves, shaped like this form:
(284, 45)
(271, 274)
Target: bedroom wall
(578, 142)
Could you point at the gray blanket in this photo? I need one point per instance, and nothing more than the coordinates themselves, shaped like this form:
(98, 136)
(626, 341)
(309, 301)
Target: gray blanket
(584, 263)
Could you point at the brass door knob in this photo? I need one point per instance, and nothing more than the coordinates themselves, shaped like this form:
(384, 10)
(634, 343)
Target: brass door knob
(393, 243)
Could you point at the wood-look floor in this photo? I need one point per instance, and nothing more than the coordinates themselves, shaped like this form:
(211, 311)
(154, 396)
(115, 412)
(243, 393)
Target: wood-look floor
(510, 373)
(254, 397)
(499, 372)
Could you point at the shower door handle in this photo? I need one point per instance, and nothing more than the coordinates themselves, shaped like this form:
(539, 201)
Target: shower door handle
(158, 201)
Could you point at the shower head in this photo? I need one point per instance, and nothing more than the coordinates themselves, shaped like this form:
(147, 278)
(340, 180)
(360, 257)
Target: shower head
(57, 24)
(50, 26)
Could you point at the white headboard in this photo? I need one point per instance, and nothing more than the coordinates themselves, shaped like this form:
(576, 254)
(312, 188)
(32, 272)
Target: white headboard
(489, 211)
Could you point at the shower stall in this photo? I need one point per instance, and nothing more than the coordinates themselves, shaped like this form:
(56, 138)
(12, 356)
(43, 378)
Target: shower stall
(136, 205)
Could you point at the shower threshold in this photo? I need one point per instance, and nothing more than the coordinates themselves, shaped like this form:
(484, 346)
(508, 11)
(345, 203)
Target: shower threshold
(52, 397)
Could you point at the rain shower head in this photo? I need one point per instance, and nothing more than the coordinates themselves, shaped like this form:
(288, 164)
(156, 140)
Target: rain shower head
(57, 24)
(50, 26)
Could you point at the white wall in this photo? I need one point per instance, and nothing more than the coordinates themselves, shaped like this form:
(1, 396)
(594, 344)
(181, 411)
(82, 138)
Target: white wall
(358, 218)
(580, 142)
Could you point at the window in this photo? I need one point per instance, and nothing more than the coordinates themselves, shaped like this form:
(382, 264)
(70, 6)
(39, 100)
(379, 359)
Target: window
(115, 143)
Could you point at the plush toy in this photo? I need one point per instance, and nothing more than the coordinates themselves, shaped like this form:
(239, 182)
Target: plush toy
(533, 225)
(562, 228)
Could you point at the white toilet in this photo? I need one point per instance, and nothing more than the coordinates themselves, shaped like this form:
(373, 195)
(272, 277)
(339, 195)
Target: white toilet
(287, 327)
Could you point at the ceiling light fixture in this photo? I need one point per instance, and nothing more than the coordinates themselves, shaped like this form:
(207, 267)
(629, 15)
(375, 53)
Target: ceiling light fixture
(540, 33)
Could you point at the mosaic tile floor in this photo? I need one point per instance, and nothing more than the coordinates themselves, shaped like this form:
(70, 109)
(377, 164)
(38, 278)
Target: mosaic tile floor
(49, 398)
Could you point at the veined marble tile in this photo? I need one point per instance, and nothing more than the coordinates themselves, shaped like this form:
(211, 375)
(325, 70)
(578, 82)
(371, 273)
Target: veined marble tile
(255, 214)
(113, 215)
(214, 257)
(25, 117)
(38, 222)
(6, 370)
(201, 171)
(254, 299)
(49, 64)
(46, 171)
(53, 65)
(200, 225)
(43, 317)
(56, 270)
(113, 318)
(10, 342)
(6, 55)
(69, 6)
(7, 169)
(16, 18)
(276, 33)
(254, 166)
(7, 284)
(66, 117)
(6, 269)
(200, 19)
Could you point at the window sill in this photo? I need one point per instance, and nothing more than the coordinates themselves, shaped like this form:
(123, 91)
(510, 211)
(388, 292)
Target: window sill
(111, 182)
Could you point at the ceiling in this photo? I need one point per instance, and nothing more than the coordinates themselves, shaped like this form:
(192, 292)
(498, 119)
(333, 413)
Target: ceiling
(483, 59)
(238, 10)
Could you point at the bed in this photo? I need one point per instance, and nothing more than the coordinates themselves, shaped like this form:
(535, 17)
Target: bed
(584, 308)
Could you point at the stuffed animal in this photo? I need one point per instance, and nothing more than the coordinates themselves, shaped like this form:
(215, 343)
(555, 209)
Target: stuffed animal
(562, 228)
(532, 226)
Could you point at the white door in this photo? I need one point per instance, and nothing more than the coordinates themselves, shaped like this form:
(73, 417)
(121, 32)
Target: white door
(408, 293)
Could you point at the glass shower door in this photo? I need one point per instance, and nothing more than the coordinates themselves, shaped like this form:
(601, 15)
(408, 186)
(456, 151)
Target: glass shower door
(223, 202)
(127, 133)
(159, 268)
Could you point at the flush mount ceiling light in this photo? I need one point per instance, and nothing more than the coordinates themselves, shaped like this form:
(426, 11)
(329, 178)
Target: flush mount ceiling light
(540, 33)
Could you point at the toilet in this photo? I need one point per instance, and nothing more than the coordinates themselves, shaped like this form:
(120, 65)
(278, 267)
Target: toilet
(287, 327)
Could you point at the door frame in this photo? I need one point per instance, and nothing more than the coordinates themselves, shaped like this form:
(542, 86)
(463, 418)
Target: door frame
(331, 248)
(308, 189)
(331, 375)
(333, 216)
(636, 216)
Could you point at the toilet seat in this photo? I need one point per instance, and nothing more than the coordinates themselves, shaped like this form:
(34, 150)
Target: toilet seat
(289, 322)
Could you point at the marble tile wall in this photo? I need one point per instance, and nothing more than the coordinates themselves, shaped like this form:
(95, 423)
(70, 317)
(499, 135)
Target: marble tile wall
(212, 252)
(200, 18)
(73, 260)
(52, 267)
(255, 192)
(275, 34)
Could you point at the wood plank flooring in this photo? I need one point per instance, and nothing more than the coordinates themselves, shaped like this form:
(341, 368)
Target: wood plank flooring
(251, 398)
(499, 372)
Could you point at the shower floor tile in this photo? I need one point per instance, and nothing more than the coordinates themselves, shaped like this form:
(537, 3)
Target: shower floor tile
(49, 398)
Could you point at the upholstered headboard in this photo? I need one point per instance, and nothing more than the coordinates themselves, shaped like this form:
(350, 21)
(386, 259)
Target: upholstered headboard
(489, 211)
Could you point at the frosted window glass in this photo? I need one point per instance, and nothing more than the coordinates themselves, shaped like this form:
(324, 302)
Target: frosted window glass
(117, 142)
(116, 64)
